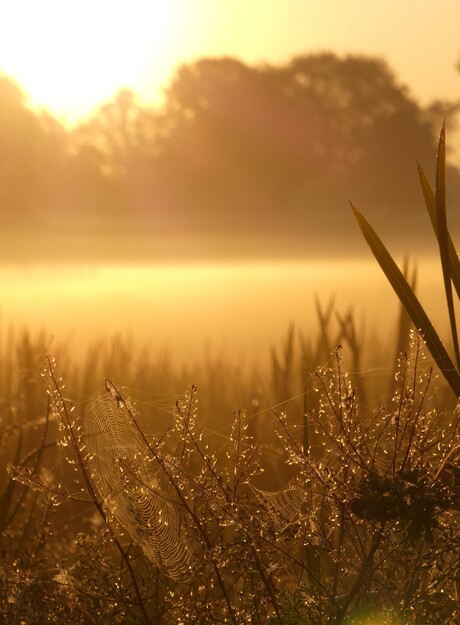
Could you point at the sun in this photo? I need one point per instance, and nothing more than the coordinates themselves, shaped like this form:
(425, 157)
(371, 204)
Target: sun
(70, 56)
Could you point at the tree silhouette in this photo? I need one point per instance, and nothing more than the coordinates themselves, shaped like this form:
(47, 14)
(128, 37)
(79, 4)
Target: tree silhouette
(282, 141)
(235, 149)
(31, 152)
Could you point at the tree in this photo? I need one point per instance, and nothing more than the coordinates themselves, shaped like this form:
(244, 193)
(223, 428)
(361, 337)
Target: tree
(32, 148)
(236, 148)
(279, 142)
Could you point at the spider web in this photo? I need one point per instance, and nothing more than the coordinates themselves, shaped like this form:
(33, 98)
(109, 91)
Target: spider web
(122, 470)
(284, 506)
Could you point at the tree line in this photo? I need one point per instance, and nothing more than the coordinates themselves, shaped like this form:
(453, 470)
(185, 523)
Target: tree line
(233, 148)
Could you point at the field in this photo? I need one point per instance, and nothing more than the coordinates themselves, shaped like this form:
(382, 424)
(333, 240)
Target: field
(324, 490)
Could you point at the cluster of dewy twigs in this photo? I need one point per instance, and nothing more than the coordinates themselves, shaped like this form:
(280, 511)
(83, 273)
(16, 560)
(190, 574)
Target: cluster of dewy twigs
(379, 519)
(176, 529)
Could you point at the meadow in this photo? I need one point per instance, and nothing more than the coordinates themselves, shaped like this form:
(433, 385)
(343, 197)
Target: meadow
(323, 490)
(241, 493)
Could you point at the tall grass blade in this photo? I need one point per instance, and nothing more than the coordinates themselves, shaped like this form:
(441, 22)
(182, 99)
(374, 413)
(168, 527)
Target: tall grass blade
(405, 322)
(430, 202)
(441, 218)
(410, 302)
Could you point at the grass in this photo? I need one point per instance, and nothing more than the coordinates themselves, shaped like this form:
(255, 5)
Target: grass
(105, 520)
(436, 206)
(250, 494)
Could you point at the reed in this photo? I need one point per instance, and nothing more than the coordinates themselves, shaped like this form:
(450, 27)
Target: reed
(436, 206)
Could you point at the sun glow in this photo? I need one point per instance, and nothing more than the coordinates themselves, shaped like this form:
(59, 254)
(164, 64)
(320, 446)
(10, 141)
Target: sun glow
(70, 55)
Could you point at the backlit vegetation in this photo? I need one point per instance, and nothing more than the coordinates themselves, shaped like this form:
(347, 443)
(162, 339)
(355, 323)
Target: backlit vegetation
(329, 501)
(320, 510)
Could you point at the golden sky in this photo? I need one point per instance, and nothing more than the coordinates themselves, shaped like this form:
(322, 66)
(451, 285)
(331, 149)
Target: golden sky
(71, 55)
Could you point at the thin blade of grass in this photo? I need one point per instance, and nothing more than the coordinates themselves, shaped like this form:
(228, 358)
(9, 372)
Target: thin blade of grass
(312, 556)
(441, 219)
(430, 202)
(7, 495)
(410, 302)
(405, 322)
